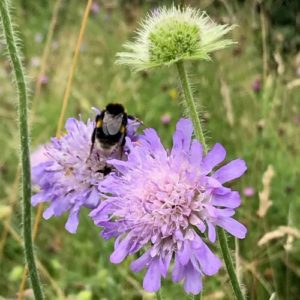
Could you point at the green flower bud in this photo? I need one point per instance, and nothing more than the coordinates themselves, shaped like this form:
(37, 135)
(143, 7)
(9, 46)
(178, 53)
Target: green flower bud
(172, 41)
(170, 35)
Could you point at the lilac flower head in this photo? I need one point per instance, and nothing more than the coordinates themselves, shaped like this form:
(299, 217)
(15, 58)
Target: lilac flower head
(68, 176)
(95, 8)
(256, 85)
(159, 200)
(249, 191)
(43, 79)
(165, 119)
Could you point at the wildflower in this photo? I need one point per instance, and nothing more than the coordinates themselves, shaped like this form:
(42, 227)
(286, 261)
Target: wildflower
(256, 85)
(67, 175)
(165, 119)
(169, 35)
(95, 8)
(249, 191)
(159, 201)
(43, 79)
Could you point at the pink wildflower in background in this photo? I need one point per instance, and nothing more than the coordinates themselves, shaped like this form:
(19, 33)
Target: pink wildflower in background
(249, 191)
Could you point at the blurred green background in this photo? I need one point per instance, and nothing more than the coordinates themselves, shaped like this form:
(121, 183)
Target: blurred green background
(250, 95)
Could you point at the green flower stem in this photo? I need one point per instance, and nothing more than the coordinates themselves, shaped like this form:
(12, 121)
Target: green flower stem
(190, 103)
(229, 265)
(16, 63)
(158, 295)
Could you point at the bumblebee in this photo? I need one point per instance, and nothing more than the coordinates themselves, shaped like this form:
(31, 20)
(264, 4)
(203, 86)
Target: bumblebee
(110, 132)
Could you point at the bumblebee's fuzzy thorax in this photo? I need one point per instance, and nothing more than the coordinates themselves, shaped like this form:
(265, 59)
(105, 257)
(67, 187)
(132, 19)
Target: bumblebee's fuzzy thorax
(115, 109)
(108, 137)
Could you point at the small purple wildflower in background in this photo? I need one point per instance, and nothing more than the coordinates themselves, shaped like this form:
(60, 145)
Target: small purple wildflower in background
(43, 79)
(95, 8)
(66, 175)
(249, 191)
(165, 119)
(256, 85)
(158, 200)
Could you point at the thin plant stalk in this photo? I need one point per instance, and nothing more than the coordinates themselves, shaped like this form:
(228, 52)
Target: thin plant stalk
(229, 264)
(64, 104)
(16, 62)
(193, 114)
(190, 103)
(158, 295)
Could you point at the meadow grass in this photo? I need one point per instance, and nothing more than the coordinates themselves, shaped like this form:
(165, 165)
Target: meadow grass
(261, 127)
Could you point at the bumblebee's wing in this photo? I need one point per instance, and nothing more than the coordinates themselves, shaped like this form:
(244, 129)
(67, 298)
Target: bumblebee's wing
(112, 124)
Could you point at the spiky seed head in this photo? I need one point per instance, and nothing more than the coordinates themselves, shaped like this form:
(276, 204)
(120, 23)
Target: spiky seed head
(168, 35)
(173, 40)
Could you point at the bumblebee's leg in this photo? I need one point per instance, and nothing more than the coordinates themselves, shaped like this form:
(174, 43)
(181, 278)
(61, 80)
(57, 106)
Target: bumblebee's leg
(93, 142)
(122, 144)
(121, 150)
(105, 171)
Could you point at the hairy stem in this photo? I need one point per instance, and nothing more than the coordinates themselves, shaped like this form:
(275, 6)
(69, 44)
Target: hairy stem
(190, 103)
(16, 63)
(229, 264)
(158, 295)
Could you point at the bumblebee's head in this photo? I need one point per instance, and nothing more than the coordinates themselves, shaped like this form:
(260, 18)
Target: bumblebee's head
(115, 109)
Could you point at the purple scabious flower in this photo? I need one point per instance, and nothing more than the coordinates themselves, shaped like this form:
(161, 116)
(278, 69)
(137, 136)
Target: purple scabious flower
(249, 191)
(160, 199)
(68, 176)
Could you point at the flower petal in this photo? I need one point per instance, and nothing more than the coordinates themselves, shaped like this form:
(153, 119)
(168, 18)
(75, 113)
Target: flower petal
(215, 156)
(38, 198)
(152, 277)
(178, 270)
(121, 250)
(164, 263)
(154, 142)
(141, 262)
(196, 153)
(192, 281)
(232, 170)
(93, 199)
(185, 253)
(211, 232)
(230, 200)
(73, 220)
(182, 136)
(209, 262)
(48, 213)
(233, 227)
